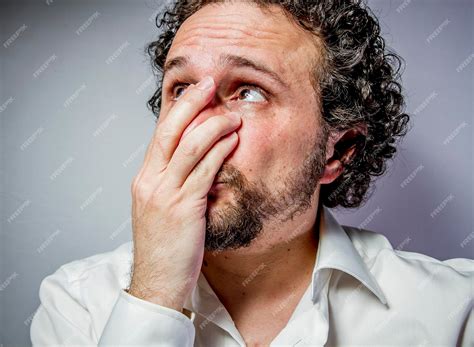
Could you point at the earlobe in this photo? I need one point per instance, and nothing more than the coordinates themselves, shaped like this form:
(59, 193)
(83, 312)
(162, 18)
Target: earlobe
(332, 170)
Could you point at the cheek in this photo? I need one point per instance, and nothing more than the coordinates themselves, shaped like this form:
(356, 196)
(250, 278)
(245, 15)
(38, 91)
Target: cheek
(272, 143)
(270, 149)
(258, 147)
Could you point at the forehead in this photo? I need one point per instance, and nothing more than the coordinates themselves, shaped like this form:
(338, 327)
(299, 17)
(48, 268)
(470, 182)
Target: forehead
(245, 29)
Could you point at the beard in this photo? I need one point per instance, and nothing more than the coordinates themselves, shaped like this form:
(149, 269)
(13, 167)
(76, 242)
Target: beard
(241, 220)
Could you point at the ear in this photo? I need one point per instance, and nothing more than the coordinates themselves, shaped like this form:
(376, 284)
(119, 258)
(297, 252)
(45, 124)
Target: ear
(341, 148)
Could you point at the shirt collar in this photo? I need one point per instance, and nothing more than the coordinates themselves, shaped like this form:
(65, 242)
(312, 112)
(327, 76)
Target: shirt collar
(336, 251)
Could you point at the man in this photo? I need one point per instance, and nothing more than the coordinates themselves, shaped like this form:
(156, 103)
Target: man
(270, 113)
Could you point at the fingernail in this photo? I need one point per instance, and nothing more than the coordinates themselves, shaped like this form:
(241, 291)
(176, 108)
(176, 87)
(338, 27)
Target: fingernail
(205, 84)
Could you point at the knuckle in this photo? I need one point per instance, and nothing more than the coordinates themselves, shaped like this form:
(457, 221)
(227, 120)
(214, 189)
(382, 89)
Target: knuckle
(134, 184)
(202, 169)
(137, 187)
(141, 190)
(160, 151)
(165, 133)
(206, 171)
(190, 149)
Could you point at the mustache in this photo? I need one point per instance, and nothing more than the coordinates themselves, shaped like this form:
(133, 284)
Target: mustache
(229, 174)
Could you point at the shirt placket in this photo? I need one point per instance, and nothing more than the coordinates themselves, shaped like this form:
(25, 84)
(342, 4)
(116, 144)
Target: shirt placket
(311, 326)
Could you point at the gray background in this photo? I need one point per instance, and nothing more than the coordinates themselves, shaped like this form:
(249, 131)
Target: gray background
(74, 128)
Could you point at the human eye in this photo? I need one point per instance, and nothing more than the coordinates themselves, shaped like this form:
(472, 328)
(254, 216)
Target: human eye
(178, 89)
(251, 93)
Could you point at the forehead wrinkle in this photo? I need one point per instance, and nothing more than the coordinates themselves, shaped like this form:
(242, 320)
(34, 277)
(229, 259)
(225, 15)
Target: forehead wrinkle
(198, 38)
(241, 36)
(218, 25)
(246, 26)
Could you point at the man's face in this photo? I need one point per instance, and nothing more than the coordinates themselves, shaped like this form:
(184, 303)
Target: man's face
(274, 170)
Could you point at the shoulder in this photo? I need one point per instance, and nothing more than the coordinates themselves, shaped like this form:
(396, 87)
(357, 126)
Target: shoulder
(92, 281)
(85, 290)
(375, 247)
(97, 273)
(116, 263)
(415, 282)
(108, 270)
(379, 253)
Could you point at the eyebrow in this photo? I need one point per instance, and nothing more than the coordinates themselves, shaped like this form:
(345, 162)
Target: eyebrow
(226, 59)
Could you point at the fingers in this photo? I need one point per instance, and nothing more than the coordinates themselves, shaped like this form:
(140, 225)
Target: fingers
(200, 180)
(195, 145)
(169, 129)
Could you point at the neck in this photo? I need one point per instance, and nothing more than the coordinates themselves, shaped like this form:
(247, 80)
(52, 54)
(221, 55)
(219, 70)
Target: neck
(278, 262)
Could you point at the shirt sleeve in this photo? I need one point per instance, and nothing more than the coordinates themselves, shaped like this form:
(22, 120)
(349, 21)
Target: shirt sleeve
(139, 322)
(62, 319)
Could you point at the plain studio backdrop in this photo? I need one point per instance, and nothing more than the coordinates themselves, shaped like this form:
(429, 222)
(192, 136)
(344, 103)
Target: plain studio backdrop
(74, 86)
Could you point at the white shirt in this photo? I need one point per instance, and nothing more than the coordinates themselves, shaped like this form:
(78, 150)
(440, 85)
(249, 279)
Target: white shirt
(363, 293)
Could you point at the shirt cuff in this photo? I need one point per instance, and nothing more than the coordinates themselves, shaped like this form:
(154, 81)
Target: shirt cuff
(134, 321)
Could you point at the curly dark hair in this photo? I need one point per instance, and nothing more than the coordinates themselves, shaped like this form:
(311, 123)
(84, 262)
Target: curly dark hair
(357, 84)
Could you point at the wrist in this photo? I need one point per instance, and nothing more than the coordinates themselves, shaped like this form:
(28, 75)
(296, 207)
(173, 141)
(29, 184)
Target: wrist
(155, 298)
